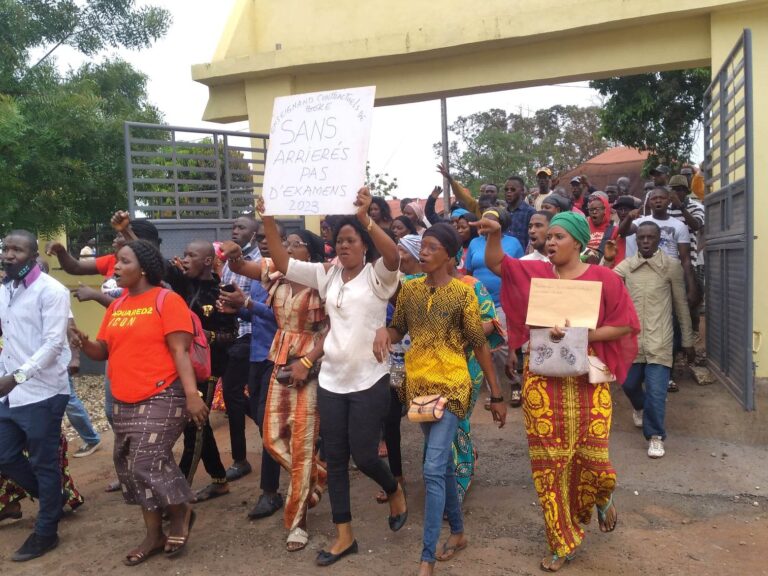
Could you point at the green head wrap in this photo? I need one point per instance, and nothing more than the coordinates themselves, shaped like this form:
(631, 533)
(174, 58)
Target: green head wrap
(575, 224)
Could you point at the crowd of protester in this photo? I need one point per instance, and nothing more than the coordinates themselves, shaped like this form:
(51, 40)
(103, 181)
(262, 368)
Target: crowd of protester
(326, 342)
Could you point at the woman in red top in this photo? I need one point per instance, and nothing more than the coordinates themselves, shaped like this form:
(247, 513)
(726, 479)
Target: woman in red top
(568, 419)
(146, 336)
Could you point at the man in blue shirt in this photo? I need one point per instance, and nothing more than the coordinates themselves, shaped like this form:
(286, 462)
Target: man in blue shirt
(519, 211)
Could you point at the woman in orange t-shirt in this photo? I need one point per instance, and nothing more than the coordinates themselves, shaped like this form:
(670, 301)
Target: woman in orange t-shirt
(146, 336)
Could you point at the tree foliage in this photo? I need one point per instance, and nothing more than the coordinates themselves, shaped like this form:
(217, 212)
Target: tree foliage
(61, 134)
(380, 184)
(656, 112)
(492, 145)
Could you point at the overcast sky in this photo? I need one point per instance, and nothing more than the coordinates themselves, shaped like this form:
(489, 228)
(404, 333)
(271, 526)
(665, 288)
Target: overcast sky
(402, 136)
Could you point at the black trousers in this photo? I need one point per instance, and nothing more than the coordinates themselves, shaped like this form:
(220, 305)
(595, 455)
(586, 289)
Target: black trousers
(259, 378)
(392, 434)
(233, 384)
(210, 451)
(350, 424)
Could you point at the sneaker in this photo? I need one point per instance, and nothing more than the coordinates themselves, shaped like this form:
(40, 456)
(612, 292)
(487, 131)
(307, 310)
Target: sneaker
(86, 450)
(672, 386)
(637, 418)
(656, 447)
(516, 396)
(34, 547)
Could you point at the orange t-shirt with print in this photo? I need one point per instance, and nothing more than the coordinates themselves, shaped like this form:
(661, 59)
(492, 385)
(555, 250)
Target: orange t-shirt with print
(140, 364)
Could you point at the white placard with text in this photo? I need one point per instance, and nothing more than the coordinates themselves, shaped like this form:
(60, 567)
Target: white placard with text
(318, 146)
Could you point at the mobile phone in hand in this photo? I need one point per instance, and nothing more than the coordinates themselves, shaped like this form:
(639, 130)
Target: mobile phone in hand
(227, 287)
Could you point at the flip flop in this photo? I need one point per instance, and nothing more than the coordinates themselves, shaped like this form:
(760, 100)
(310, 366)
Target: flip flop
(297, 536)
(449, 552)
(602, 513)
(137, 557)
(180, 542)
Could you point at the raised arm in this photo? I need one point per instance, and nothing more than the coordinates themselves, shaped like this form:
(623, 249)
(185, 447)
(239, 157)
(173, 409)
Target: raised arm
(69, 263)
(494, 252)
(459, 191)
(384, 244)
(233, 254)
(429, 208)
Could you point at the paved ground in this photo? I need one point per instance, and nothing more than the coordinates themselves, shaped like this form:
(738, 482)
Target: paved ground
(701, 510)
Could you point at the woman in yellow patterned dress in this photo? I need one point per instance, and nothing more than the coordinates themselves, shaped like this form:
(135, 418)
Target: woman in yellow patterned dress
(568, 420)
(442, 316)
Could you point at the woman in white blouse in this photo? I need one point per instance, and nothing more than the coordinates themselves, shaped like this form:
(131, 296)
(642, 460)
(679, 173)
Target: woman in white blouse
(353, 395)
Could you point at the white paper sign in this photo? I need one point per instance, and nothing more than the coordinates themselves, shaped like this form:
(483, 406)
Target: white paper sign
(318, 146)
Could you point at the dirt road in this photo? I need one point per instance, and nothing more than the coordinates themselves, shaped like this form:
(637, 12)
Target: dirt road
(700, 510)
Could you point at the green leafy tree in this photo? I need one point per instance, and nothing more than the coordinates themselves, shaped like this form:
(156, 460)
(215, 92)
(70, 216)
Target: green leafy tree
(61, 134)
(380, 184)
(657, 112)
(492, 145)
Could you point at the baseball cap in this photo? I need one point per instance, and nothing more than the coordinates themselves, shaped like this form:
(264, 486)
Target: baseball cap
(678, 180)
(544, 170)
(660, 169)
(575, 180)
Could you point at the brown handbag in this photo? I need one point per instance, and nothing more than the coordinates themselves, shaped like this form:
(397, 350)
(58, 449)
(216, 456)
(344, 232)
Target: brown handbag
(428, 408)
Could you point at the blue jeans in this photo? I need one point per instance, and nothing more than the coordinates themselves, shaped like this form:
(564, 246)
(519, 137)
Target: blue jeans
(440, 483)
(36, 428)
(653, 400)
(78, 417)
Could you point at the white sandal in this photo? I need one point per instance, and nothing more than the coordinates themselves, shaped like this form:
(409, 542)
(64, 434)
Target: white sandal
(297, 536)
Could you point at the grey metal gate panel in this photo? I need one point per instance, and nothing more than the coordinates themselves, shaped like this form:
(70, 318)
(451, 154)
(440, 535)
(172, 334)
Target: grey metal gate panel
(191, 182)
(729, 223)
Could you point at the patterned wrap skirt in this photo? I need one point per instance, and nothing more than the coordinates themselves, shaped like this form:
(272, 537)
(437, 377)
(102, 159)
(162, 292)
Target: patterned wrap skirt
(568, 423)
(145, 433)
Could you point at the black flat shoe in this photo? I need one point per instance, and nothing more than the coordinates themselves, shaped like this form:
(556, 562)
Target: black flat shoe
(237, 470)
(327, 558)
(34, 547)
(398, 521)
(266, 506)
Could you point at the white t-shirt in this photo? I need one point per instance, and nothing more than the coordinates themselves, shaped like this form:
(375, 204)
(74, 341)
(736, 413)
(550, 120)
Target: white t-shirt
(535, 255)
(673, 232)
(356, 310)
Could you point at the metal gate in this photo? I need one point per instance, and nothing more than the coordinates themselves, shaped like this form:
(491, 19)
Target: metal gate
(193, 182)
(729, 222)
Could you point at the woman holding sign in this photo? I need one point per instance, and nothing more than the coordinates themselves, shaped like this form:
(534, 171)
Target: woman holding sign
(568, 419)
(353, 395)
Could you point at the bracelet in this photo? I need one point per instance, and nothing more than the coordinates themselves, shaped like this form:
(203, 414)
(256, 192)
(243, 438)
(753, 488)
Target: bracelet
(497, 399)
(370, 224)
(306, 362)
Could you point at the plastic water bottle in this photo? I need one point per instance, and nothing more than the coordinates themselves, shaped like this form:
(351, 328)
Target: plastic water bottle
(396, 369)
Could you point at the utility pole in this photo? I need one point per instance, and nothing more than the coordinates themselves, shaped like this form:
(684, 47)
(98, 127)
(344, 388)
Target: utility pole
(444, 130)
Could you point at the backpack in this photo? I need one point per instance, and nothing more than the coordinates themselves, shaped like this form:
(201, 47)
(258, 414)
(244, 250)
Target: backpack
(199, 350)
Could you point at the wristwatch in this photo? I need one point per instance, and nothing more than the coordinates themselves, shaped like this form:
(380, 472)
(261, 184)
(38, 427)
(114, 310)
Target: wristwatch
(19, 376)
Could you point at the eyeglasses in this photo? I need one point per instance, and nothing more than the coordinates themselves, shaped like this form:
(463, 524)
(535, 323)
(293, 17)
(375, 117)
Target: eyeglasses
(295, 244)
(340, 296)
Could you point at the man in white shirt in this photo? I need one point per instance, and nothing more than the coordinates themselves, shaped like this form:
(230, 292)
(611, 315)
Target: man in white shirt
(34, 386)
(675, 237)
(537, 234)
